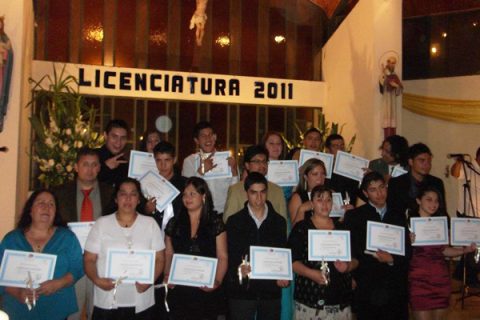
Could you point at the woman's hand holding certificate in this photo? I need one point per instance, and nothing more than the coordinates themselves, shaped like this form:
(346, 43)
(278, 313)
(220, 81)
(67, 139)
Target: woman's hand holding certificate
(430, 231)
(193, 271)
(329, 245)
(26, 269)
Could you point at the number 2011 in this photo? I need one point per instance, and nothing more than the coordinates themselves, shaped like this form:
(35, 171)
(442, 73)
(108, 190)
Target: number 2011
(273, 90)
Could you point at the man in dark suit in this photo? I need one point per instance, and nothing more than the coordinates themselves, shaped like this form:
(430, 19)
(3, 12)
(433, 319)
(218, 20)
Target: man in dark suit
(381, 278)
(338, 183)
(84, 199)
(113, 164)
(165, 159)
(71, 195)
(403, 190)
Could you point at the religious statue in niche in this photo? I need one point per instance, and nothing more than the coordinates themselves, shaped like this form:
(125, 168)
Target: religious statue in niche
(6, 63)
(390, 87)
(198, 21)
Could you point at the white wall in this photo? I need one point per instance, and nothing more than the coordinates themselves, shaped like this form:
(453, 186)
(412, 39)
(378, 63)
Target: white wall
(14, 163)
(351, 70)
(441, 136)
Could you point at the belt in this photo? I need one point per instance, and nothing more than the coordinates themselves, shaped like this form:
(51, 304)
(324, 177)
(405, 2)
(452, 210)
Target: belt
(333, 308)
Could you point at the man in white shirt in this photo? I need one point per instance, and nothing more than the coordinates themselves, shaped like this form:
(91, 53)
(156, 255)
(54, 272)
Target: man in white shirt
(205, 139)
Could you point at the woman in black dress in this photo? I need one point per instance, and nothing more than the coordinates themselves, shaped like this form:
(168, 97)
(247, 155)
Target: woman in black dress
(197, 230)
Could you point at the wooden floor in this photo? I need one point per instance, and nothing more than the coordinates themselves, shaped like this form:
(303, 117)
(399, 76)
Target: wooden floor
(471, 310)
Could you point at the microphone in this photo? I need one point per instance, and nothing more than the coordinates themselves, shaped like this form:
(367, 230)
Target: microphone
(457, 155)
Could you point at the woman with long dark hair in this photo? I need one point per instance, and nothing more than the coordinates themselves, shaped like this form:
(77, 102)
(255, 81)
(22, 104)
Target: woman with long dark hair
(312, 174)
(125, 229)
(316, 296)
(197, 230)
(429, 277)
(41, 230)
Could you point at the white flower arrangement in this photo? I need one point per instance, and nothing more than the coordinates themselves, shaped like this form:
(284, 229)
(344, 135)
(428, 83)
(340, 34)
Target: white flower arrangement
(62, 124)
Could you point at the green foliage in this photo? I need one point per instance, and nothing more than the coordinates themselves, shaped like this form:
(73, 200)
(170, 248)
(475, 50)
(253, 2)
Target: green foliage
(62, 124)
(326, 128)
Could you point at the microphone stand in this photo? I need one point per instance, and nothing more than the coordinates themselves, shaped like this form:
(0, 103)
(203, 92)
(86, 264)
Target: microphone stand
(467, 192)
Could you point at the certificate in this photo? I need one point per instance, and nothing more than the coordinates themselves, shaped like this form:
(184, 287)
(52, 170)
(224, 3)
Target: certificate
(386, 237)
(81, 230)
(155, 186)
(464, 231)
(327, 159)
(141, 162)
(192, 271)
(271, 263)
(135, 265)
(222, 169)
(398, 171)
(329, 245)
(283, 172)
(337, 210)
(429, 231)
(350, 166)
(20, 266)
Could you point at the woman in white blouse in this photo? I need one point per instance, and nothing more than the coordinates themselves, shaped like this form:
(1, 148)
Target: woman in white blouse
(124, 229)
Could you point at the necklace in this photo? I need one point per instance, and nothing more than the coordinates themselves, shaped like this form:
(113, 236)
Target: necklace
(38, 241)
(124, 223)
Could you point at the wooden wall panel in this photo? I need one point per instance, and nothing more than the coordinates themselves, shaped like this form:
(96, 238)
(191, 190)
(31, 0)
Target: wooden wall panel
(57, 39)
(109, 19)
(41, 17)
(92, 35)
(186, 36)
(277, 49)
(76, 14)
(157, 34)
(304, 56)
(249, 38)
(125, 34)
(141, 34)
(220, 31)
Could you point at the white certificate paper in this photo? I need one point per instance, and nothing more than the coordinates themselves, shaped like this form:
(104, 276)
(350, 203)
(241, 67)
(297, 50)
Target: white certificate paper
(192, 271)
(398, 171)
(271, 263)
(283, 172)
(81, 230)
(464, 231)
(222, 169)
(337, 210)
(329, 245)
(386, 237)
(155, 186)
(430, 231)
(135, 265)
(350, 166)
(16, 265)
(327, 159)
(140, 163)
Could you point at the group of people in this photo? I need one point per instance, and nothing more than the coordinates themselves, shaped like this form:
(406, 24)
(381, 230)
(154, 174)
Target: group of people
(222, 218)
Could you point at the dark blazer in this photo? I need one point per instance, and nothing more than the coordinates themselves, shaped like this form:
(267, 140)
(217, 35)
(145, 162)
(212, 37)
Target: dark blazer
(243, 233)
(67, 202)
(378, 284)
(401, 197)
(343, 185)
(107, 175)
